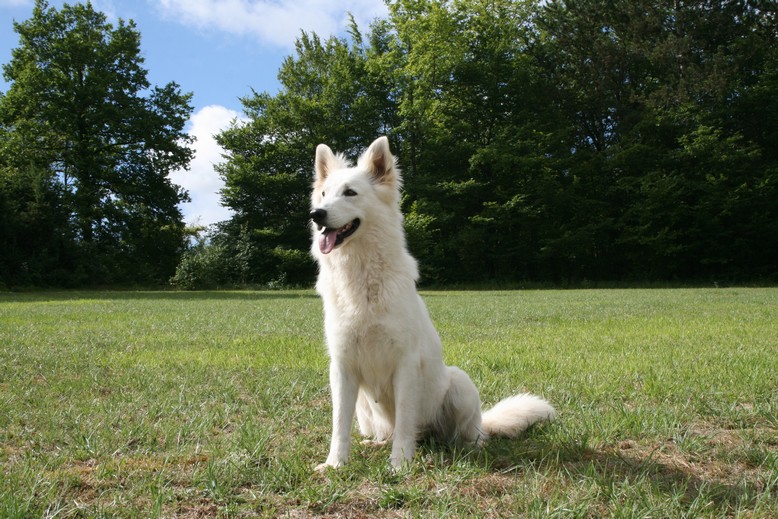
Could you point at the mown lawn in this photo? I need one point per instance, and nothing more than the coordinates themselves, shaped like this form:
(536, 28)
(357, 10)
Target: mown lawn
(166, 404)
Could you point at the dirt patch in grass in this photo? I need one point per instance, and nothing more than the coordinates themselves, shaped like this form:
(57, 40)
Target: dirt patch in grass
(705, 466)
(195, 510)
(666, 459)
(489, 486)
(353, 509)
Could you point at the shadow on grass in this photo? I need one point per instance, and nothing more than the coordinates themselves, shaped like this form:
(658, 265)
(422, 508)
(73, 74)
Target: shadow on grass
(669, 477)
(612, 480)
(623, 469)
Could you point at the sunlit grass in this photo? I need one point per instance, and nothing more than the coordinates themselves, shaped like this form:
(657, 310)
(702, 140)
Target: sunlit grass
(216, 404)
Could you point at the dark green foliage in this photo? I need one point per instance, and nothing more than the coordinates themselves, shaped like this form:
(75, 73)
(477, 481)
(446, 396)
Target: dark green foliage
(673, 185)
(269, 171)
(555, 141)
(86, 144)
(562, 141)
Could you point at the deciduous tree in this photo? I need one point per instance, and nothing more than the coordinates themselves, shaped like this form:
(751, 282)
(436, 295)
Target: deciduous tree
(82, 119)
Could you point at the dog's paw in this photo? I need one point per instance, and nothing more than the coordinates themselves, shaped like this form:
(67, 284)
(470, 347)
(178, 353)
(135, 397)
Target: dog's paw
(373, 443)
(400, 468)
(400, 464)
(322, 468)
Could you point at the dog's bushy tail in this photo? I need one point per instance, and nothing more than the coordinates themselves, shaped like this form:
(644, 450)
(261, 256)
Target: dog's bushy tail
(513, 415)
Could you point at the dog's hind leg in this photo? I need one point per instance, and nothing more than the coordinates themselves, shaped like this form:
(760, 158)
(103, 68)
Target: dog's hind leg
(460, 414)
(373, 425)
(365, 416)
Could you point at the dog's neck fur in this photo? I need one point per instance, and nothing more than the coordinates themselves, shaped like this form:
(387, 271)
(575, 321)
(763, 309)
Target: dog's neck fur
(373, 272)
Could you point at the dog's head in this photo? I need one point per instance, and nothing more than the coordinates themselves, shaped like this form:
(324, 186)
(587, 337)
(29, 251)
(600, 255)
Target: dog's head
(344, 197)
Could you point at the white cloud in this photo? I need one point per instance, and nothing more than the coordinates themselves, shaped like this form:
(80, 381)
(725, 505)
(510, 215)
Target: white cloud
(202, 182)
(106, 7)
(14, 3)
(277, 22)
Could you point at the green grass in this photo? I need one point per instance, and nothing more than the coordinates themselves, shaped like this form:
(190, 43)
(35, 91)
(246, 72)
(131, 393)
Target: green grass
(216, 404)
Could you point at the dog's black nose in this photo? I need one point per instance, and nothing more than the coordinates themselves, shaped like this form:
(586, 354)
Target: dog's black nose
(319, 216)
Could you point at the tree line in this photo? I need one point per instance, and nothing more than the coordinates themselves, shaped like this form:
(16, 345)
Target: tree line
(556, 141)
(86, 144)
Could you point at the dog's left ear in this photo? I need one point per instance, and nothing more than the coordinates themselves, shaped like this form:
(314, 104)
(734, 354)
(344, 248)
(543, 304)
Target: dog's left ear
(379, 160)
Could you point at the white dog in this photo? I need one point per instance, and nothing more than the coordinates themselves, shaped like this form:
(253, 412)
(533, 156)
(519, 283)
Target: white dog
(386, 360)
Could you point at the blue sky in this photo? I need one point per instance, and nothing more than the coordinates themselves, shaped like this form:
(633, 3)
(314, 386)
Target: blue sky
(218, 49)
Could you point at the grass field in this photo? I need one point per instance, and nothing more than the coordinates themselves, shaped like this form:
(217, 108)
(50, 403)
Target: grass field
(164, 404)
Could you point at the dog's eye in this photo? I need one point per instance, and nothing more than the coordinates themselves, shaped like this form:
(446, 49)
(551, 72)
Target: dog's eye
(350, 192)
(322, 194)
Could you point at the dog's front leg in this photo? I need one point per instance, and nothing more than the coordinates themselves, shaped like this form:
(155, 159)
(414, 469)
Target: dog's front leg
(407, 394)
(344, 387)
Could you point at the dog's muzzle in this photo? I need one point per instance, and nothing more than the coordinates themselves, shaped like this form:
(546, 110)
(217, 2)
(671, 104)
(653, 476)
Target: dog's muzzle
(319, 217)
(331, 237)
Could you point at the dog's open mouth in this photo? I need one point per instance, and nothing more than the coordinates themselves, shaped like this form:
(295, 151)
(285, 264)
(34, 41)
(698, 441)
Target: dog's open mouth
(331, 238)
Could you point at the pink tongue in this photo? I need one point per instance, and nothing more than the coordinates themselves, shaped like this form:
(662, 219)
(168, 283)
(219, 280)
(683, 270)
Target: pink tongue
(327, 241)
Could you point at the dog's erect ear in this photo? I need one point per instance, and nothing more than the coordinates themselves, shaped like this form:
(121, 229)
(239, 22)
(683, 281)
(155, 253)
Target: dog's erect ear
(325, 162)
(379, 160)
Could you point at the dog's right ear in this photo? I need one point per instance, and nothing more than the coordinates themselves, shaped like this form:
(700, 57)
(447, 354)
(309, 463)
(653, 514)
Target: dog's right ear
(325, 162)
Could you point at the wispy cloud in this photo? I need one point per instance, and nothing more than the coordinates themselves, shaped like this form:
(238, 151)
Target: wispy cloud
(105, 6)
(272, 22)
(202, 182)
(14, 3)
